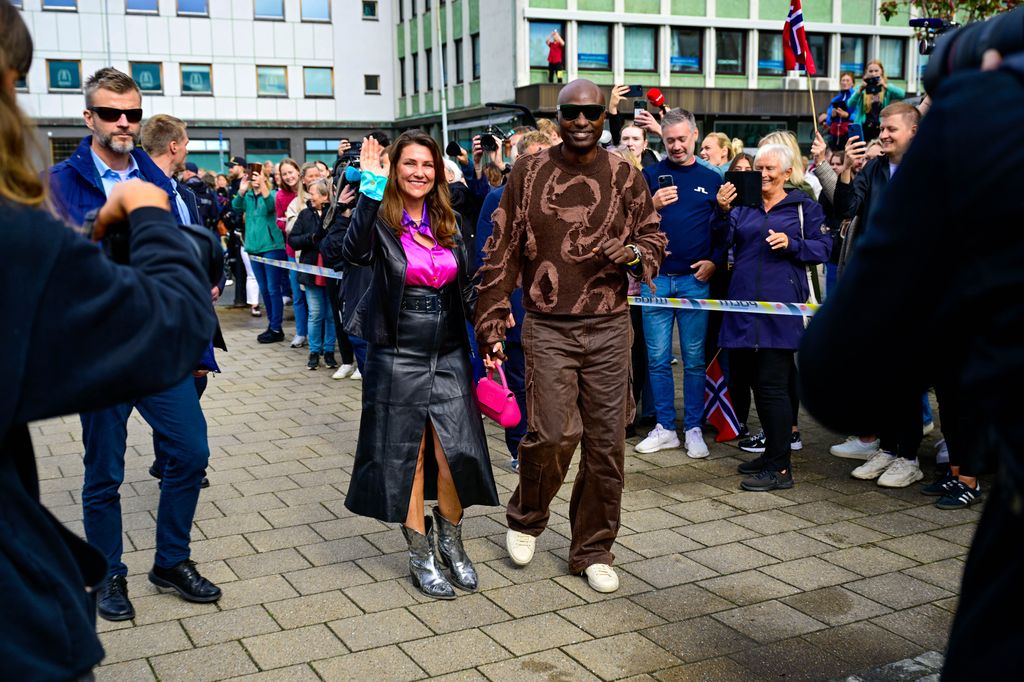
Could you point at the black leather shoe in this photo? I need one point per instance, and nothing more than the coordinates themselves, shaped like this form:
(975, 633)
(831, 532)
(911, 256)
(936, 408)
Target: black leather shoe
(271, 336)
(186, 581)
(112, 601)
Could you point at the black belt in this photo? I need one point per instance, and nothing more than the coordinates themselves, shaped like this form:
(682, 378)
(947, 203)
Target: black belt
(425, 304)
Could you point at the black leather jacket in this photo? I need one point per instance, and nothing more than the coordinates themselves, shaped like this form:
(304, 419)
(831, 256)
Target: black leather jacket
(369, 242)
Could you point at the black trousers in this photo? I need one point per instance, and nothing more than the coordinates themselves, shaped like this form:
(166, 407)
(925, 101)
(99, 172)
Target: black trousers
(770, 370)
(903, 438)
(741, 381)
(344, 345)
(553, 70)
(638, 353)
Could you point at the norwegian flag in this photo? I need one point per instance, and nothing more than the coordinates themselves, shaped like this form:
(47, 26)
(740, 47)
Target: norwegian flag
(794, 41)
(718, 410)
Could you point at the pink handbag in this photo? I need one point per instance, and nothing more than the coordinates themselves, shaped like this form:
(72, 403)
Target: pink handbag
(497, 401)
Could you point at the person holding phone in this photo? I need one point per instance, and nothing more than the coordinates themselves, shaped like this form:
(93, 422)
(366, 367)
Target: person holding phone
(556, 50)
(256, 200)
(772, 245)
(629, 134)
(684, 194)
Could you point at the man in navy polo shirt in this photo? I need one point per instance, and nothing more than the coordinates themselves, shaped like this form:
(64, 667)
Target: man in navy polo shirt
(686, 206)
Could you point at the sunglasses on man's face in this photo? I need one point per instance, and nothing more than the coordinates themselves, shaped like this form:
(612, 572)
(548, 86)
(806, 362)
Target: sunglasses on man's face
(112, 115)
(571, 112)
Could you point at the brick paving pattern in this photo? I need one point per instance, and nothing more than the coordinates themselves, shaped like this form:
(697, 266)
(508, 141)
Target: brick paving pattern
(831, 579)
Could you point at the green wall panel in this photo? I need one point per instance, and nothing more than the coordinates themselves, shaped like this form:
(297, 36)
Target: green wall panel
(414, 36)
(816, 11)
(400, 39)
(688, 80)
(735, 9)
(428, 30)
(731, 82)
(401, 108)
(689, 8)
(778, 9)
(549, 4)
(457, 18)
(415, 105)
(474, 16)
(857, 12)
(596, 5)
(599, 77)
(646, 78)
(459, 92)
(901, 18)
(444, 24)
(770, 83)
(643, 6)
(474, 93)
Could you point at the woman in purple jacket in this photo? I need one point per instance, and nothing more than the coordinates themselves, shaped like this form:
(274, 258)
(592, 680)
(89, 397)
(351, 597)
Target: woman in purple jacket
(773, 244)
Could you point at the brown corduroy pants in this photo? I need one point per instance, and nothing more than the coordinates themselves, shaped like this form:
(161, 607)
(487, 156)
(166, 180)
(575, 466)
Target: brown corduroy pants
(578, 381)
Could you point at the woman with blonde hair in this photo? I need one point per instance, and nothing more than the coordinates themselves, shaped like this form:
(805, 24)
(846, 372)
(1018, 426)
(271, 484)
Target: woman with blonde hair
(873, 95)
(420, 436)
(717, 150)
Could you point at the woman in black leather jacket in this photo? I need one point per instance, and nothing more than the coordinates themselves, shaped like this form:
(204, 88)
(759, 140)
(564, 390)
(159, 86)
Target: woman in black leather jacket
(420, 436)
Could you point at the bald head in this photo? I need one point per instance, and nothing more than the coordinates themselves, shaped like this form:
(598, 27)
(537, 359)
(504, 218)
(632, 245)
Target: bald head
(581, 91)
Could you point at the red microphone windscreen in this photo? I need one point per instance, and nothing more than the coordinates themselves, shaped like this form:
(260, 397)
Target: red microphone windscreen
(655, 97)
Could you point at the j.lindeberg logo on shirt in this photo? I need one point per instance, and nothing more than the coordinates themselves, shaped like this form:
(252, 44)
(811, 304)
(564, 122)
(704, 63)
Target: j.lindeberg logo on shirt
(700, 189)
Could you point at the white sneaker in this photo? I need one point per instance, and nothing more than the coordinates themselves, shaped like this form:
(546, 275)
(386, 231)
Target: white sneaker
(344, 372)
(659, 438)
(941, 452)
(298, 341)
(696, 448)
(854, 448)
(520, 547)
(356, 376)
(901, 473)
(602, 577)
(874, 467)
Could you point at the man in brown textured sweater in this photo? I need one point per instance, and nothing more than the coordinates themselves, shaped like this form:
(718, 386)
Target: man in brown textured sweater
(573, 220)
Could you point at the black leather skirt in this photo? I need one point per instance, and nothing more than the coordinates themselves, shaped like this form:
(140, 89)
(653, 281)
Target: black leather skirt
(426, 378)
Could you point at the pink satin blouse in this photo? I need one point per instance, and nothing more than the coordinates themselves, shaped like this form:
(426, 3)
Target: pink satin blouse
(427, 266)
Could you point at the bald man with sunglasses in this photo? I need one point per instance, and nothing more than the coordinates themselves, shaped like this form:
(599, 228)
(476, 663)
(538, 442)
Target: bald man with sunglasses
(573, 221)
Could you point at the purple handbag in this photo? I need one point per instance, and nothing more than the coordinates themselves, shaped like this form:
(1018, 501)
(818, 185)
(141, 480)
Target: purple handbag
(497, 401)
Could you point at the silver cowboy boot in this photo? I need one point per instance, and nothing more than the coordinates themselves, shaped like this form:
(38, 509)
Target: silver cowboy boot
(453, 554)
(423, 566)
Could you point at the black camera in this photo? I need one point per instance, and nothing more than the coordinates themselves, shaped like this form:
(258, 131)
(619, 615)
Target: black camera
(453, 149)
(488, 142)
(873, 85)
(204, 244)
(962, 48)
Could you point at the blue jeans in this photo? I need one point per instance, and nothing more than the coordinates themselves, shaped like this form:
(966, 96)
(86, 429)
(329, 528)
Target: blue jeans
(176, 415)
(831, 278)
(269, 279)
(298, 302)
(515, 375)
(359, 350)
(322, 335)
(160, 441)
(693, 326)
(926, 409)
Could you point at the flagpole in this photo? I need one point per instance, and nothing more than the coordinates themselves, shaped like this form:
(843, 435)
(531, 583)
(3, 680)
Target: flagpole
(810, 92)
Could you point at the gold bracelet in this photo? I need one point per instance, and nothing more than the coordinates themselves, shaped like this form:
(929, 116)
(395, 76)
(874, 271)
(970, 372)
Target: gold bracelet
(636, 252)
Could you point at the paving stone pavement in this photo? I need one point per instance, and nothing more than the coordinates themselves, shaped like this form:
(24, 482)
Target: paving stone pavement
(827, 580)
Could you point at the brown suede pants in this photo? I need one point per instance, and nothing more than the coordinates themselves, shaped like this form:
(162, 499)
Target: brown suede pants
(577, 387)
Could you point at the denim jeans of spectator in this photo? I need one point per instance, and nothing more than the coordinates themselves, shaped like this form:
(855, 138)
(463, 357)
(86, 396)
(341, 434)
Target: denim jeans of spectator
(515, 376)
(658, 327)
(298, 302)
(269, 279)
(321, 322)
(359, 350)
(176, 414)
(160, 440)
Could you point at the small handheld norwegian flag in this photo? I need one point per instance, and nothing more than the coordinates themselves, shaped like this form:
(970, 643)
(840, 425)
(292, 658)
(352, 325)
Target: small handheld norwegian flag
(794, 41)
(718, 409)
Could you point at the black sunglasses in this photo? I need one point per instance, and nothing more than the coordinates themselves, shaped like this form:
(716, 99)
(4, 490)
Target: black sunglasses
(571, 112)
(112, 115)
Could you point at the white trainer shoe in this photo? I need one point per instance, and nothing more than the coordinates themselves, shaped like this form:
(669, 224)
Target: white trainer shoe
(602, 577)
(901, 473)
(298, 341)
(356, 375)
(520, 547)
(344, 372)
(874, 467)
(696, 448)
(854, 448)
(659, 438)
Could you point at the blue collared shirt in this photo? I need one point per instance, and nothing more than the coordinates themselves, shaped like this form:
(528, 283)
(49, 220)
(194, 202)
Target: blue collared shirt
(180, 207)
(110, 177)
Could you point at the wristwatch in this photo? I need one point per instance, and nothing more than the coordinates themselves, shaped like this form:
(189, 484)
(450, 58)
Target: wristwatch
(636, 255)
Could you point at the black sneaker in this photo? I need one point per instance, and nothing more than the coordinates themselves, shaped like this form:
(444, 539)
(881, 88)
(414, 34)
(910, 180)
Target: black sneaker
(767, 480)
(330, 361)
(754, 466)
(794, 441)
(943, 486)
(314, 361)
(753, 444)
(960, 496)
(271, 336)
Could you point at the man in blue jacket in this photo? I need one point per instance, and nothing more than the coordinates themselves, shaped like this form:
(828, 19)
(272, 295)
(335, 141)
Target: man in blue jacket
(80, 184)
(684, 194)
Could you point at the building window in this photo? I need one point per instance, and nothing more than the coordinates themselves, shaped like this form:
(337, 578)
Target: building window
(64, 75)
(322, 150)
(426, 5)
(641, 48)
(412, 6)
(851, 54)
(475, 45)
(429, 57)
(318, 81)
(458, 60)
(892, 52)
(539, 33)
(371, 84)
(595, 47)
(401, 10)
(730, 52)
(445, 78)
(196, 79)
(415, 72)
(21, 85)
(401, 76)
(267, 149)
(687, 50)
(18, 3)
(193, 8)
(71, 5)
(271, 81)
(819, 44)
(370, 9)
(316, 10)
(269, 9)
(142, 6)
(149, 76)
(62, 148)
(769, 54)
(209, 154)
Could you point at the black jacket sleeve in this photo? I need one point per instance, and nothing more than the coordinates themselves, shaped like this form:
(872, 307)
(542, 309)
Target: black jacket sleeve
(305, 233)
(136, 329)
(615, 126)
(333, 242)
(361, 237)
(851, 197)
